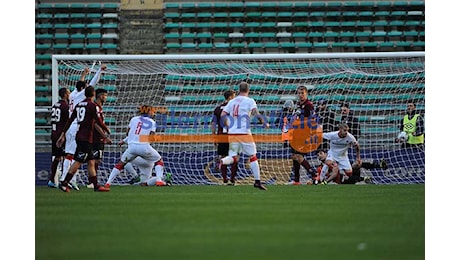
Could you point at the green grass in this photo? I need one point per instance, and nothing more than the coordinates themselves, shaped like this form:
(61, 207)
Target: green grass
(223, 222)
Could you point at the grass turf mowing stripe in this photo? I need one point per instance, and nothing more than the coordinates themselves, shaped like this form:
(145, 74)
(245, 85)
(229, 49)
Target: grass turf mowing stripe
(225, 222)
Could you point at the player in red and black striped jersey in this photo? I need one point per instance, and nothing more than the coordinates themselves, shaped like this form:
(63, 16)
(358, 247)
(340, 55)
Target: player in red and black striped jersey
(304, 109)
(59, 116)
(86, 114)
(222, 147)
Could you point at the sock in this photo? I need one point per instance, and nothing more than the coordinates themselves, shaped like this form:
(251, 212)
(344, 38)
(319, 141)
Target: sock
(130, 169)
(227, 160)
(159, 170)
(74, 178)
(152, 181)
(66, 165)
(223, 170)
(233, 169)
(306, 165)
(255, 169)
(54, 166)
(113, 175)
(296, 166)
(93, 180)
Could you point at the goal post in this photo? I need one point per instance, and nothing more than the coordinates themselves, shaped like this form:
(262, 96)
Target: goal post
(185, 89)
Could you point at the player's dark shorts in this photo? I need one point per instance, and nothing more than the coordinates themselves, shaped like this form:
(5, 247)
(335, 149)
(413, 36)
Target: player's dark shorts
(222, 149)
(293, 151)
(98, 150)
(84, 152)
(57, 151)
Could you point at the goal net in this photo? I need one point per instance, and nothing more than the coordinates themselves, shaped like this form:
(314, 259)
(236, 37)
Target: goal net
(185, 90)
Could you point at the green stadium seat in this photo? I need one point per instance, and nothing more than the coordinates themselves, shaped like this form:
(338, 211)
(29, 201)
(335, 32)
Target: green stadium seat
(284, 14)
(42, 89)
(45, 56)
(253, 14)
(338, 44)
(172, 36)
(220, 35)
(418, 44)
(77, 25)
(172, 45)
(94, 5)
(370, 44)
(238, 45)
(41, 100)
(255, 45)
(188, 15)
(398, 13)
(236, 5)
(236, 15)
(109, 46)
(93, 46)
(222, 45)
(353, 44)
(94, 16)
(171, 15)
(41, 121)
(188, 45)
(205, 45)
(363, 23)
(78, 36)
(252, 35)
(42, 67)
(77, 16)
(94, 26)
(94, 36)
(300, 14)
(384, 14)
(403, 44)
(287, 44)
(110, 26)
(304, 44)
(44, 36)
(317, 14)
(396, 23)
(61, 16)
(45, 6)
(267, 35)
(59, 46)
(111, 5)
(203, 15)
(268, 15)
(169, 5)
(188, 35)
(61, 6)
(76, 46)
(320, 45)
(44, 26)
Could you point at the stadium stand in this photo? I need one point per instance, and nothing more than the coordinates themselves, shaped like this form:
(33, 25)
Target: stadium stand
(90, 27)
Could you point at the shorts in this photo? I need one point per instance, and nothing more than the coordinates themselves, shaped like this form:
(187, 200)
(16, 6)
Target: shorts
(342, 163)
(239, 144)
(84, 152)
(98, 150)
(222, 149)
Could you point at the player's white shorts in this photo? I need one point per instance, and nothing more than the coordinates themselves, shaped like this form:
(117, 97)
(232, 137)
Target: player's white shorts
(70, 143)
(142, 150)
(239, 144)
(342, 163)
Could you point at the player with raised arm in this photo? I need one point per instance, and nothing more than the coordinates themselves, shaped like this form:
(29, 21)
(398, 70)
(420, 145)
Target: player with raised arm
(99, 139)
(140, 129)
(337, 156)
(59, 116)
(76, 96)
(220, 131)
(236, 115)
(86, 115)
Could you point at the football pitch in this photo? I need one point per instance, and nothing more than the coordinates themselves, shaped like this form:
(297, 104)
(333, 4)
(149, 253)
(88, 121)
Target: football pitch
(226, 222)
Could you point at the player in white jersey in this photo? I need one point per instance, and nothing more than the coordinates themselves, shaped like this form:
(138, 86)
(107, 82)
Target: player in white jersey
(140, 129)
(339, 143)
(76, 96)
(237, 114)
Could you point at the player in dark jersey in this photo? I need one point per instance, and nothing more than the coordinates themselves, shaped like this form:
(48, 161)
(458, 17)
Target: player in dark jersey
(87, 116)
(303, 110)
(59, 116)
(100, 140)
(223, 146)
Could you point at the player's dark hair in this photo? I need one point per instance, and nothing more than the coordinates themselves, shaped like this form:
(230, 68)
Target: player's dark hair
(244, 87)
(89, 91)
(80, 85)
(321, 150)
(100, 91)
(62, 92)
(228, 93)
(302, 87)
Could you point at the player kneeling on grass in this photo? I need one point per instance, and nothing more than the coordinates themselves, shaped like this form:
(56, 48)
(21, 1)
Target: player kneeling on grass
(139, 133)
